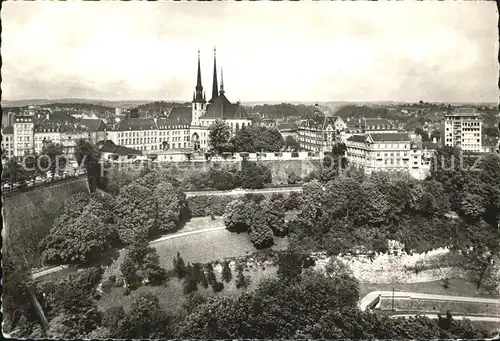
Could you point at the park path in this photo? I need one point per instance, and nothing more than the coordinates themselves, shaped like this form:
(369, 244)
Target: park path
(244, 191)
(45, 272)
(372, 296)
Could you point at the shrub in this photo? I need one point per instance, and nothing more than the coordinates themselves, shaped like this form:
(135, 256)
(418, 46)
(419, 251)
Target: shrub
(216, 205)
(217, 286)
(293, 201)
(210, 273)
(241, 280)
(445, 283)
(112, 278)
(179, 266)
(192, 301)
(190, 282)
(226, 272)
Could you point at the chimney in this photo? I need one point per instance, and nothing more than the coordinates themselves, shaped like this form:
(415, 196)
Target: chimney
(47, 116)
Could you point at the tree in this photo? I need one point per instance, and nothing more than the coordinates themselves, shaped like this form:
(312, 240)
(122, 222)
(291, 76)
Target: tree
(218, 136)
(253, 139)
(334, 163)
(14, 172)
(254, 175)
(76, 240)
(190, 281)
(290, 264)
(192, 301)
(88, 156)
(226, 272)
(52, 158)
(237, 216)
(144, 320)
(169, 204)
(261, 234)
(179, 266)
(291, 143)
(479, 249)
(140, 263)
(135, 213)
(210, 273)
(241, 280)
(274, 214)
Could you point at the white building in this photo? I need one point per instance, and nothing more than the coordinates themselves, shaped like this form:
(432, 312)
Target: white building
(463, 129)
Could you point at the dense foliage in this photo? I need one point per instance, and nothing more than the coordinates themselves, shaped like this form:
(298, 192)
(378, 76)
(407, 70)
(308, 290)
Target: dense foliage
(82, 234)
(149, 206)
(141, 263)
(258, 216)
(253, 139)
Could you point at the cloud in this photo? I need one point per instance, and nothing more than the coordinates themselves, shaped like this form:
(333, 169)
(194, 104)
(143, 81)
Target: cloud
(270, 51)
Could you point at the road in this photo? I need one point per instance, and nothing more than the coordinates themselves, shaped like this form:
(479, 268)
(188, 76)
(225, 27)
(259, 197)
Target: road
(372, 296)
(471, 318)
(38, 274)
(245, 191)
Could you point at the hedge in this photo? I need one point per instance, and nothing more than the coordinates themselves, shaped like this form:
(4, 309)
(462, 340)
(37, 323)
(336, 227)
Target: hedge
(206, 205)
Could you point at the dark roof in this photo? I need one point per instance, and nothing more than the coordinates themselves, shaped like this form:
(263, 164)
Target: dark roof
(175, 117)
(377, 124)
(93, 124)
(357, 138)
(320, 122)
(222, 108)
(136, 124)
(110, 147)
(287, 127)
(8, 130)
(396, 137)
(429, 145)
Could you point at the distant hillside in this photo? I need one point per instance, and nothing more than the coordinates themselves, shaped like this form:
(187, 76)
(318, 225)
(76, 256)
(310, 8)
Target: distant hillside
(281, 110)
(107, 103)
(158, 107)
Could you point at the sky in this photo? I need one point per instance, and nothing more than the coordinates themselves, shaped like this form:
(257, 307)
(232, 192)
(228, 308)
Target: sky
(269, 51)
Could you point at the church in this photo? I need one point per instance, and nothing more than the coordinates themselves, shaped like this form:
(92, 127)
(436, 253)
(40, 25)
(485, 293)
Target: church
(183, 128)
(203, 113)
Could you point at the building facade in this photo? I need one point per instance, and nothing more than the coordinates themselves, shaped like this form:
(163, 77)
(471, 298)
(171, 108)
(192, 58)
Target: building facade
(463, 129)
(321, 132)
(183, 129)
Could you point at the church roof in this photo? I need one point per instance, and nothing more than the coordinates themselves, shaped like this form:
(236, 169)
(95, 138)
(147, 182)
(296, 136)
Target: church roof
(176, 116)
(223, 109)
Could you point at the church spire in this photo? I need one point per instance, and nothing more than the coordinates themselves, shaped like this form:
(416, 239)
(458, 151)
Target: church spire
(199, 88)
(221, 92)
(214, 84)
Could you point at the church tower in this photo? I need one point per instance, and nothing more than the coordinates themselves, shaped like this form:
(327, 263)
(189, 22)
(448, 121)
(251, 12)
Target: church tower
(215, 88)
(199, 104)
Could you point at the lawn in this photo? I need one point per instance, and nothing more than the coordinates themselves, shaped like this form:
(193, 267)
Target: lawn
(204, 247)
(171, 295)
(457, 287)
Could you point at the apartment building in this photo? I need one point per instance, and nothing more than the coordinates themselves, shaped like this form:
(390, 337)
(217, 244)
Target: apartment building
(373, 152)
(8, 142)
(463, 129)
(23, 134)
(321, 132)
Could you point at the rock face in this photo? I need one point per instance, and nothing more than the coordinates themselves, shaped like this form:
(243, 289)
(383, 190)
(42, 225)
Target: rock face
(387, 268)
